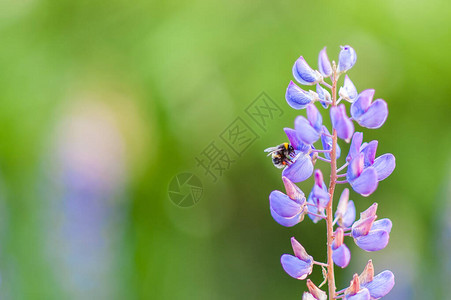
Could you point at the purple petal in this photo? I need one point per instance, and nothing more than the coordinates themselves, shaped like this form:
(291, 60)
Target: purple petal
(323, 95)
(366, 183)
(355, 167)
(313, 209)
(375, 116)
(369, 212)
(348, 90)
(341, 256)
(346, 58)
(296, 97)
(314, 117)
(295, 267)
(349, 216)
(375, 240)
(363, 102)
(381, 284)
(283, 205)
(363, 226)
(383, 224)
(299, 251)
(363, 294)
(341, 122)
(324, 66)
(306, 132)
(384, 165)
(370, 153)
(300, 170)
(304, 74)
(354, 149)
(293, 191)
(295, 140)
(320, 196)
(287, 222)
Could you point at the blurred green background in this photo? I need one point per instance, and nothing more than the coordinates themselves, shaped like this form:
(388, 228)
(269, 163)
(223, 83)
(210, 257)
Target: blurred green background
(102, 103)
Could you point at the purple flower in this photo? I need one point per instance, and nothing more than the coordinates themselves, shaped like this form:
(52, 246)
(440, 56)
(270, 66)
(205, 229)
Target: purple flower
(363, 180)
(383, 165)
(379, 285)
(346, 58)
(297, 98)
(345, 213)
(304, 74)
(287, 209)
(302, 166)
(340, 252)
(326, 140)
(341, 122)
(367, 113)
(324, 66)
(309, 130)
(319, 197)
(300, 265)
(323, 96)
(348, 90)
(371, 235)
(355, 292)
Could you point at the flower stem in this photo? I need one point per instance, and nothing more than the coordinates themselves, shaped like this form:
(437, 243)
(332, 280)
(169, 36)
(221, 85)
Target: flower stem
(333, 180)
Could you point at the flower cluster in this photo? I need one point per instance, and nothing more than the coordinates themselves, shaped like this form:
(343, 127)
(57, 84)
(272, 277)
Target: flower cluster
(361, 169)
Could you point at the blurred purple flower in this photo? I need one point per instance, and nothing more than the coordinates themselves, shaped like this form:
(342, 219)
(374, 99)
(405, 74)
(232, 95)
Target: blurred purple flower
(300, 265)
(368, 114)
(304, 74)
(341, 122)
(371, 235)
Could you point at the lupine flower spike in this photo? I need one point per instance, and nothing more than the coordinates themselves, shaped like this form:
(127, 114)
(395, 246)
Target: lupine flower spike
(311, 141)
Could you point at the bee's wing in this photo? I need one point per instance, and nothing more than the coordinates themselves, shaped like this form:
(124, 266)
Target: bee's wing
(270, 150)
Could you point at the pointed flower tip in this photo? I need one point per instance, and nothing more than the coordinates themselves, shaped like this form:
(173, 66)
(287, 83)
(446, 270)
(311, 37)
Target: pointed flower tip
(293, 191)
(299, 250)
(319, 177)
(304, 74)
(315, 291)
(367, 274)
(324, 65)
(348, 90)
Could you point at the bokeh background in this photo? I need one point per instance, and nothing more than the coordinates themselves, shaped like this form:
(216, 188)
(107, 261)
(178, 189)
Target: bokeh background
(102, 103)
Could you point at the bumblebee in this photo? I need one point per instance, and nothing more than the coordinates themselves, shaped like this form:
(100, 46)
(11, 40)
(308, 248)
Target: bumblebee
(282, 155)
